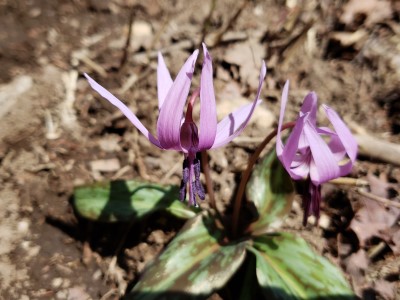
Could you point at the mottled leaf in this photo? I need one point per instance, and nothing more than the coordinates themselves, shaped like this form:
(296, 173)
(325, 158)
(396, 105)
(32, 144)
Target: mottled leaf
(271, 190)
(249, 288)
(193, 265)
(287, 268)
(125, 200)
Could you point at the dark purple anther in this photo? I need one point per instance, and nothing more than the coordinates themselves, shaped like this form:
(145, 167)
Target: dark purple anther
(197, 184)
(311, 201)
(184, 181)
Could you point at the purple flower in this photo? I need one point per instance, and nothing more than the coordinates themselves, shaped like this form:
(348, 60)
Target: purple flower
(179, 132)
(306, 155)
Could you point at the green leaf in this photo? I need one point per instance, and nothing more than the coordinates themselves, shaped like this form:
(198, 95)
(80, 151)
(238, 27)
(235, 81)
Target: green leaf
(249, 288)
(287, 268)
(193, 265)
(271, 190)
(125, 200)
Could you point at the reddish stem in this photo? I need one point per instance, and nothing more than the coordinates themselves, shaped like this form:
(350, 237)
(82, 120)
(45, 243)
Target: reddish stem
(246, 175)
(207, 175)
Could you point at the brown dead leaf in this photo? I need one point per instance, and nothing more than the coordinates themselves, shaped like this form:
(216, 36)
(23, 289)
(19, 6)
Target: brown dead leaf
(355, 265)
(385, 289)
(248, 56)
(379, 185)
(373, 219)
(374, 11)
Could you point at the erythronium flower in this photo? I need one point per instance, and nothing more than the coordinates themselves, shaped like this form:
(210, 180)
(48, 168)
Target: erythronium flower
(180, 133)
(307, 156)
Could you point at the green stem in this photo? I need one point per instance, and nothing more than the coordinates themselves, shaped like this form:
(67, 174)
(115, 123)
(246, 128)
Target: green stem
(246, 175)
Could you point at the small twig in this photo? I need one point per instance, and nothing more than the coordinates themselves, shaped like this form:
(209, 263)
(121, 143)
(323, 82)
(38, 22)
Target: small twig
(207, 22)
(382, 200)
(182, 45)
(228, 25)
(121, 243)
(376, 250)
(209, 185)
(171, 171)
(90, 63)
(246, 175)
(125, 51)
(142, 169)
(379, 149)
(112, 292)
(349, 181)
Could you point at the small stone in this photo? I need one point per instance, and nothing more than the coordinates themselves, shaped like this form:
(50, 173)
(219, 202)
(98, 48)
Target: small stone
(157, 237)
(57, 282)
(105, 165)
(324, 221)
(66, 283)
(23, 227)
(97, 275)
(62, 294)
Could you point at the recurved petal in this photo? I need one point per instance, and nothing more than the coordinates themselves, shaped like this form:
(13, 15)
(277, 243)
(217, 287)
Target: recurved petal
(164, 80)
(124, 109)
(233, 124)
(170, 118)
(323, 166)
(295, 163)
(343, 133)
(208, 113)
(284, 98)
(310, 106)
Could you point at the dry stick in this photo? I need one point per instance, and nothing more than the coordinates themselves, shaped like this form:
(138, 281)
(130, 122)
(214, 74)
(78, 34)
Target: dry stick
(246, 174)
(207, 22)
(379, 199)
(125, 51)
(349, 181)
(206, 171)
(229, 24)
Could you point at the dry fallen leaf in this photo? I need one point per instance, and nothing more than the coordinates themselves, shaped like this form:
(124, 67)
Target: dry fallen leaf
(355, 265)
(374, 11)
(373, 219)
(248, 56)
(385, 289)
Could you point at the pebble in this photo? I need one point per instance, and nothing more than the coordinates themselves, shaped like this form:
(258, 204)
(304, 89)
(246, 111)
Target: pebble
(23, 227)
(62, 294)
(56, 282)
(97, 275)
(324, 221)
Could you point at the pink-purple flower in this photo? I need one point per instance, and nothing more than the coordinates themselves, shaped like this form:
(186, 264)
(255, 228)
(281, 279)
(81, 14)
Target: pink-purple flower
(308, 156)
(176, 131)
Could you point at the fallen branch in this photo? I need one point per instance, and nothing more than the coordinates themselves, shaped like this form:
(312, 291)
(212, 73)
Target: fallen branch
(378, 149)
(379, 199)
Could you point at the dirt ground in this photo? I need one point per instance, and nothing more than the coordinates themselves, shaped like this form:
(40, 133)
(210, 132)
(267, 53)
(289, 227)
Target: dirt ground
(56, 133)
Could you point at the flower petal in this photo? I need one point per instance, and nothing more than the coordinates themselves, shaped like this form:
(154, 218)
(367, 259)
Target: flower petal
(124, 109)
(208, 112)
(346, 138)
(279, 142)
(323, 166)
(310, 106)
(170, 118)
(233, 124)
(295, 163)
(164, 80)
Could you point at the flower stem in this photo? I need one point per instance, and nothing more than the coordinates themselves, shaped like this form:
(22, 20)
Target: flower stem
(246, 175)
(209, 185)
